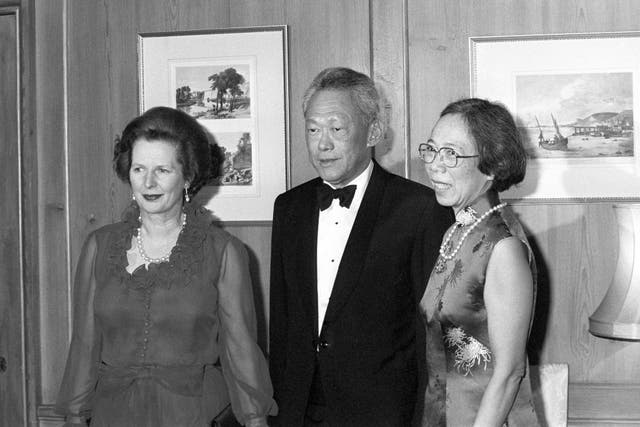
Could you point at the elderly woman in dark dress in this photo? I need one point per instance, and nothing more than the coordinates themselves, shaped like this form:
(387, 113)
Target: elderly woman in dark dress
(478, 305)
(164, 326)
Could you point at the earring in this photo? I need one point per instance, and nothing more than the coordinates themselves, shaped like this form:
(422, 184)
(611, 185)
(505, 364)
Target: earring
(133, 197)
(186, 195)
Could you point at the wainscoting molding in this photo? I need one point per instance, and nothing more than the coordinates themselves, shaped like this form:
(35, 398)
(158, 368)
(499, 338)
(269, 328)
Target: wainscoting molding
(592, 404)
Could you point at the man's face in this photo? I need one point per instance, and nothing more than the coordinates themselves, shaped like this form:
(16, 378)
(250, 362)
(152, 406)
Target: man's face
(338, 139)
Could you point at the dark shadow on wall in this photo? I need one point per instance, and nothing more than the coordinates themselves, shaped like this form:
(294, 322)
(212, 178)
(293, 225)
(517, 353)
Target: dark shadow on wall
(202, 198)
(541, 309)
(258, 298)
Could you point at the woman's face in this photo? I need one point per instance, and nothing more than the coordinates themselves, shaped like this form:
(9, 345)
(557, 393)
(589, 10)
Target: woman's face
(461, 185)
(156, 177)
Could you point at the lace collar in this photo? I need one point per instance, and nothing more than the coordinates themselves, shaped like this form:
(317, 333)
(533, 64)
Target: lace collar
(182, 267)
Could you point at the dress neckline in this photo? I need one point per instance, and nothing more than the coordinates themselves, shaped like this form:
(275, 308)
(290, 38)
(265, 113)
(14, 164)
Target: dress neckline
(186, 253)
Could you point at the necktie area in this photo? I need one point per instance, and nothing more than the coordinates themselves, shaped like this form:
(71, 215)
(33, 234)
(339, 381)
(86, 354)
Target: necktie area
(326, 194)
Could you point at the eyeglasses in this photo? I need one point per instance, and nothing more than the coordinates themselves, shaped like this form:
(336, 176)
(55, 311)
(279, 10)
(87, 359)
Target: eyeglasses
(448, 155)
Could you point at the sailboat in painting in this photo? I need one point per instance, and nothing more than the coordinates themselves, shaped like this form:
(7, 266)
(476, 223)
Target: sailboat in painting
(558, 142)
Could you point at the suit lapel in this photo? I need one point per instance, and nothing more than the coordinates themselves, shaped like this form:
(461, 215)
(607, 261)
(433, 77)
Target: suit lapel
(304, 253)
(357, 247)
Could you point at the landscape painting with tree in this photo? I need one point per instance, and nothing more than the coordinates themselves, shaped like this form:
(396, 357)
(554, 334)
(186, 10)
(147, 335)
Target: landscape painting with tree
(213, 91)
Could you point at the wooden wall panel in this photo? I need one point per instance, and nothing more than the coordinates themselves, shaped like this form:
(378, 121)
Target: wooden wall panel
(30, 212)
(26, 287)
(604, 405)
(176, 15)
(416, 50)
(12, 357)
(91, 128)
(52, 200)
(248, 13)
(389, 60)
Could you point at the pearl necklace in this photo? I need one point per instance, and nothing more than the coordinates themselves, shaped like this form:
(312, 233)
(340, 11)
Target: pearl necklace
(140, 244)
(444, 257)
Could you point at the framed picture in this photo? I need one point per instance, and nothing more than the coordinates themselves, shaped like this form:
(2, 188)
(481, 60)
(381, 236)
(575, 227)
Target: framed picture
(575, 100)
(235, 83)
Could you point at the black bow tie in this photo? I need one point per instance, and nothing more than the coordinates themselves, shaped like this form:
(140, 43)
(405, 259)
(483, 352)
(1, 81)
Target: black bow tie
(326, 194)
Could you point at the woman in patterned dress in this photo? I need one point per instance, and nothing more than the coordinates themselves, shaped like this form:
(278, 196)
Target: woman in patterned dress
(478, 305)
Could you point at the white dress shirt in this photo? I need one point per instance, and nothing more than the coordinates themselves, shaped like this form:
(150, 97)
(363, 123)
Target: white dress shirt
(334, 227)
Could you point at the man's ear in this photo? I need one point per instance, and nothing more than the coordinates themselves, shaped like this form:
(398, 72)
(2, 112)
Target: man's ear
(376, 132)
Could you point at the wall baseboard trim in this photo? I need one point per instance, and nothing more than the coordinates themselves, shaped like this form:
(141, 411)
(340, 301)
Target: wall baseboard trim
(600, 422)
(46, 413)
(589, 404)
(604, 404)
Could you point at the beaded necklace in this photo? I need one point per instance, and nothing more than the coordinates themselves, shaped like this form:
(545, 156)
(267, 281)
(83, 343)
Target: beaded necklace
(140, 244)
(468, 215)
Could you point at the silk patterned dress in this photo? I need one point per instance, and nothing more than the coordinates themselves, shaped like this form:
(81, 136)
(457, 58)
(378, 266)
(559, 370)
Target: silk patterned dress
(459, 356)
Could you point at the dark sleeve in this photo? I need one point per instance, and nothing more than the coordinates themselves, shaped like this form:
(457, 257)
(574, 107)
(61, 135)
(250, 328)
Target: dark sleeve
(277, 303)
(80, 375)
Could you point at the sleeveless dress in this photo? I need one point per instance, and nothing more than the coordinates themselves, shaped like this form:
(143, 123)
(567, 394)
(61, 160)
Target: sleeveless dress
(169, 345)
(459, 356)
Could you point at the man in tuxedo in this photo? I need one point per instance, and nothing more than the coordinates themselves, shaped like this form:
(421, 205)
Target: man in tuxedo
(351, 253)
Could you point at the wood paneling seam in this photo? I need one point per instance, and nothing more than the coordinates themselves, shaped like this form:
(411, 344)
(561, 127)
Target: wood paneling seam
(23, 319)
(405, 89)
(65, 130)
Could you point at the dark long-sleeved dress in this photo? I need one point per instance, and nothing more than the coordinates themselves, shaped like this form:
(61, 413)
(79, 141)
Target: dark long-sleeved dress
(170, 345)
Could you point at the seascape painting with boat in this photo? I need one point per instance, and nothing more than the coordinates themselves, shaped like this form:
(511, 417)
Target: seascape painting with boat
(583, 115)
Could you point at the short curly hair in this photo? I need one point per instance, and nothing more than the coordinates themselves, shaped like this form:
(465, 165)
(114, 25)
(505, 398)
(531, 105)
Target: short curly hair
(500, 147)
(197, 152)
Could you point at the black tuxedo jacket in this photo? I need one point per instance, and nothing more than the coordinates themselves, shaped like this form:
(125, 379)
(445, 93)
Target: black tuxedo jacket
(368, 343)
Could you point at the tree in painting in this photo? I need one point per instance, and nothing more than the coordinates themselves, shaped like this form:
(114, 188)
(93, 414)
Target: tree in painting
(226, 82)
(237, 164)
(183, 95)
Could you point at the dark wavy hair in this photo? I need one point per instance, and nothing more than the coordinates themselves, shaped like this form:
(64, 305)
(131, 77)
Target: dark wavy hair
(197, 152)
(497, 138)
(362, 89)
